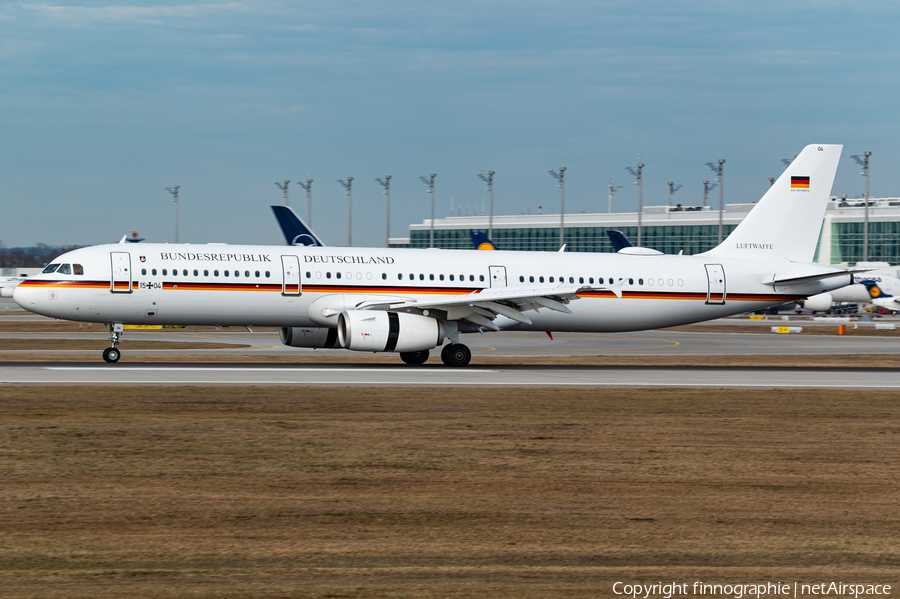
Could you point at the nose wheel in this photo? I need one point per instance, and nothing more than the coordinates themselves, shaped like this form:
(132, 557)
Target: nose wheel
(456, 354)
(112, 354)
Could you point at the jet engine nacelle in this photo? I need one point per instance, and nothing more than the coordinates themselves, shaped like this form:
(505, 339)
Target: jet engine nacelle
(818, 303)
(7, 291)
(315, 337)
(379, 331)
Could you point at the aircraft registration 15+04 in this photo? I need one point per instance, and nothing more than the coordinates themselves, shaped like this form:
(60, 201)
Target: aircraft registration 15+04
(413, 300)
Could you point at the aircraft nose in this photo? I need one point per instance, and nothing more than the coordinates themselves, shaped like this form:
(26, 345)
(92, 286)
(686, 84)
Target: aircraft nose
(25, 297)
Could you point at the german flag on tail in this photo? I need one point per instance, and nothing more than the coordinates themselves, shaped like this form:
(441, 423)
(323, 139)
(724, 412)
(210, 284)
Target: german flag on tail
(799, 182)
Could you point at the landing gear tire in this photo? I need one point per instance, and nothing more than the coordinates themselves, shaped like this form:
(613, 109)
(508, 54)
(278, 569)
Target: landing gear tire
(111, 354)
(414, 357)
(456, 354)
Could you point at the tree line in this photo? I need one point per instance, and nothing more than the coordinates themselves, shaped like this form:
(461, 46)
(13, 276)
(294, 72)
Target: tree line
(33, 257)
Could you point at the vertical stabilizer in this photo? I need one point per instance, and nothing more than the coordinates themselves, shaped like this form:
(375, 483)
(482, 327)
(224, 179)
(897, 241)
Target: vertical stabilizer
(787, 220)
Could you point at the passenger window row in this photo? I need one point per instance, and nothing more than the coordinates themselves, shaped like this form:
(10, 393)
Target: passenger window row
(215, 273)
(400, 276)
(600, 280)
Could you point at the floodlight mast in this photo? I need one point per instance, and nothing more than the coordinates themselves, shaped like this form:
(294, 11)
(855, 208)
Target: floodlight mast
(864, 163)
(348, 185)
(771, 181)
(706, 189)
(174, 192)
(672, 190)
(490, 187)
(386, 183)
(638, 174)
(284, 190)
(308, 187)
(612, 189)
(429, 181)
(719, 170)
(560, 176)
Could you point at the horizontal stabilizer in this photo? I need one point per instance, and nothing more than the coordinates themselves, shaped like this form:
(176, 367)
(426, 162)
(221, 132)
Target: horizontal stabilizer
(787, 282)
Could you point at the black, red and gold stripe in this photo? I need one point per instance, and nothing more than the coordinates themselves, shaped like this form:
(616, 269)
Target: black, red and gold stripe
(402, 290)
(799, 182)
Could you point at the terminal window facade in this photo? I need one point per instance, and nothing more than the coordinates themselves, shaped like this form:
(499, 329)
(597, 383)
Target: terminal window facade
(669, 239)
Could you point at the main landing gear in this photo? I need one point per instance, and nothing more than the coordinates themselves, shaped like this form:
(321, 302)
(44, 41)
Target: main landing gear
(456, 354)
(112, 354)
(414, 357)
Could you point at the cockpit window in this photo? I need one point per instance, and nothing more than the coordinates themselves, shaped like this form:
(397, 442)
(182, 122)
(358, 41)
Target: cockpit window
(65, 269)
(51, 268)
(77, 269)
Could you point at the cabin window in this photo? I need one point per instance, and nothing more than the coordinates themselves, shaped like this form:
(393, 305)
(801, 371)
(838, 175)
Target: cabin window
(226, 273)
(337, 274)
(247, 273)
(481, 278)
(308, 274)
(591, 280)
(215, 273)
(551, 279)
(671, 283)
(318, 274)
(257, 274)
(368, 276)
(471, 277)
(640, 281)
(399, 277)
(153, 272)
(631, 281)
(384, 276)
(531, 279)
(430, 277)
(541, 279)
(442, 277)
(581, 279)
(237, 273)
(184, 272)
(451, 277)
(205, 273)
(77, 269)
(165, 272)
(143, 271)
(196, 272)
(412, 277)
(521, 279)
(328, 275)
(267, 274)
(50, 268)
(572, 280)
(65, 269)
(611, 281)
(421, 277)
(680, 282)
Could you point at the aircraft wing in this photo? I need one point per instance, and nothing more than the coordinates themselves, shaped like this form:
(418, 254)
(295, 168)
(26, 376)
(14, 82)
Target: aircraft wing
(481, 307)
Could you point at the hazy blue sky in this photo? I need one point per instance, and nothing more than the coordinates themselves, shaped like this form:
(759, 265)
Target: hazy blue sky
(103, 106)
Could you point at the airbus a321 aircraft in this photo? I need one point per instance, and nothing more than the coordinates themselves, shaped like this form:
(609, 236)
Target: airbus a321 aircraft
(411, 300)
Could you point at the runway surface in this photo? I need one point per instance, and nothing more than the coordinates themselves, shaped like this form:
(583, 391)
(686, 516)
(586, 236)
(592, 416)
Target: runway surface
(506, 376)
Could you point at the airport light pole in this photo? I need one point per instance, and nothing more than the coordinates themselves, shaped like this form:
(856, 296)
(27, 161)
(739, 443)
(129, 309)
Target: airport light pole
(308, 187)
(612, 190)
(719, 170)
(672, 190)
(490, 187)
(638, 174)
(429, 181)
(174, 192)
(386, 183)
(284, 190)
(771, 181)
(348, 185)
(864, 163)
(706, 189)
(560, 176)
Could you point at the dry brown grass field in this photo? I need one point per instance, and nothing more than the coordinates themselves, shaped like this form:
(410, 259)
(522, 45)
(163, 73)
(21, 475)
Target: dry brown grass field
(350, 492)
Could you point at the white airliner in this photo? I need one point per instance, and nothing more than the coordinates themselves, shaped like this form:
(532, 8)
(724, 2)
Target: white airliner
(410, 300)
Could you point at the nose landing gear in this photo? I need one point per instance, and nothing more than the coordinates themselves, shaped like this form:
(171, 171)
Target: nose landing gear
(112, 354)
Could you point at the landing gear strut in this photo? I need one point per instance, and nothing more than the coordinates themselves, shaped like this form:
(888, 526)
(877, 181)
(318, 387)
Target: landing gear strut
(414, 357)
(112, 354)
(456, 354)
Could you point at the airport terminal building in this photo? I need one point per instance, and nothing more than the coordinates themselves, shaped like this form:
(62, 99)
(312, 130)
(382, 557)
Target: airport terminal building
(669, 230)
